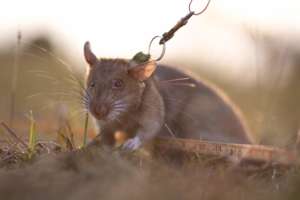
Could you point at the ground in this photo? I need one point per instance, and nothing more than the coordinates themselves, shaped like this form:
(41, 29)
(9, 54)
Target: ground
(100, 173)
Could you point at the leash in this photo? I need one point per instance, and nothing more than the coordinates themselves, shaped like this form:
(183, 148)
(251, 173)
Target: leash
(141, 57)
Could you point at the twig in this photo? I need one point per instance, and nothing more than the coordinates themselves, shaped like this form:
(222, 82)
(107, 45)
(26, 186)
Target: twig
(14, 135)
(71, 133)
(15, 79)
(67, 141)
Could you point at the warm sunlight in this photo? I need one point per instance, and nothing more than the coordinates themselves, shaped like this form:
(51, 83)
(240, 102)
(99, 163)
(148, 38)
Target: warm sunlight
(119, 28)
(218, 117)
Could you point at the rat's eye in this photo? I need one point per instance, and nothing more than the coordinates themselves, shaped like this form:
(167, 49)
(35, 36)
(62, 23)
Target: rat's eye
(117, 84)
(92, 84)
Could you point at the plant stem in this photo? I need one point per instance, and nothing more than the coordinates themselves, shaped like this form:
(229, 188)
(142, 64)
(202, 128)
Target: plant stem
(86, 122)
(14, 135)
(32, 135)
(14, 79)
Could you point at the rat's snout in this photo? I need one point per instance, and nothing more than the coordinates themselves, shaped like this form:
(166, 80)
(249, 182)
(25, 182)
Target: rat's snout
(99, 111)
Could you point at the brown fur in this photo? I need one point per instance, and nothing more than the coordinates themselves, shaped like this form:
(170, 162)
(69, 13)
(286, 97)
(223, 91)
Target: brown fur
(151, 108)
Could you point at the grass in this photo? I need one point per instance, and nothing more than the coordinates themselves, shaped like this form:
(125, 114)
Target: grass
(99, 173)
(85, 135)
(15, 78)
(32, 136)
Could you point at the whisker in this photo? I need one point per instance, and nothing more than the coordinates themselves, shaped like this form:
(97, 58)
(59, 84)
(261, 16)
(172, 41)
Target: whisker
(60, 95)
(77, 113)
(35, 95)
(118, 120)
(120, 110)
(175, 79)
(57, 58)
(169, 129)
(76, 86)
(119, 106)
(184, 84)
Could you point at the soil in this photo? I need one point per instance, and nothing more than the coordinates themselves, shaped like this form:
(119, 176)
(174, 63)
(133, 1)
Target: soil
(101, 173)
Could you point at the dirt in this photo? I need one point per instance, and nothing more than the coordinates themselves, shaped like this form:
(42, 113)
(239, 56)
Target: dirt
(104, 174)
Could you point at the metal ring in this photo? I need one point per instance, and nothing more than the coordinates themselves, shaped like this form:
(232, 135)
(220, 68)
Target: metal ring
(200, 12)
(163, 48)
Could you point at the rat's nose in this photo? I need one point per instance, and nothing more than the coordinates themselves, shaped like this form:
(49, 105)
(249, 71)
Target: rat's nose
(100, 112)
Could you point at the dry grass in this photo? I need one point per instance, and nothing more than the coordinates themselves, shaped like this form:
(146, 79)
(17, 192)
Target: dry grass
(56, 171)
(102, 174)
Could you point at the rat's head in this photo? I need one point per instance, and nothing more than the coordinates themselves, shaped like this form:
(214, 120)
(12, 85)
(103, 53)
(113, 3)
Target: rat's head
(114, 86)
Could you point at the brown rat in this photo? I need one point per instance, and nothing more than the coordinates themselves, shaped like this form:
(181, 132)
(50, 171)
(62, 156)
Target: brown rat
(135, 99)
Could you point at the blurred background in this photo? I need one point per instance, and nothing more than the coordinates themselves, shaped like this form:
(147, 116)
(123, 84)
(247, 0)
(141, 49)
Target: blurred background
(250, 49)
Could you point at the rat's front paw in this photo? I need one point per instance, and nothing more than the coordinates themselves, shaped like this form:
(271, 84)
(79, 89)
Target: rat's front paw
(132, 144)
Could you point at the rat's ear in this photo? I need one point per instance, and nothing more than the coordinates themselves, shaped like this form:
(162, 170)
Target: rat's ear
(89, 55)
(142, 71)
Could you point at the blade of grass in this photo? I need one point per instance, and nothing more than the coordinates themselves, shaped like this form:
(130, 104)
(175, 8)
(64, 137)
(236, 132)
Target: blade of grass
(67, 142)
(6, 138)
(86, 122)
(14, 79)
(71, 133)
(32, 135)
(14, 135)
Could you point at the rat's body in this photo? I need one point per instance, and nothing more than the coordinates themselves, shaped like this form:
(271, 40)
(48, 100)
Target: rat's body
(196, 109)
(139, 100)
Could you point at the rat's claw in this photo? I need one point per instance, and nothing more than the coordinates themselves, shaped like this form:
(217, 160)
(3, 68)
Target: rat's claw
(132, 144)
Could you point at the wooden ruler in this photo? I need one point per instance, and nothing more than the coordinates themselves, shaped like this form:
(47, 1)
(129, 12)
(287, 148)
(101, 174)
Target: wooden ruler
(240, 152)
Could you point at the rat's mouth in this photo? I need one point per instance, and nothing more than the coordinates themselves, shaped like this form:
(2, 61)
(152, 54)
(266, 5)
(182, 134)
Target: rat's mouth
(108, 113)
(100, 113)
(98, 117)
